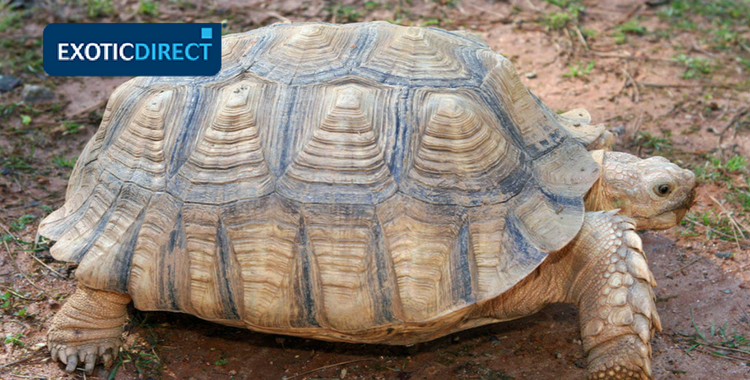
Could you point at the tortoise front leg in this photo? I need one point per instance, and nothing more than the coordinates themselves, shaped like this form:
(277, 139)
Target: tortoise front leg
(612, 286)
(87, 328)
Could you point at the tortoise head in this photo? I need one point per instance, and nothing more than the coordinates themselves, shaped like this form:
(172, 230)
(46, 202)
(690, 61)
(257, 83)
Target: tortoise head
(654, 192)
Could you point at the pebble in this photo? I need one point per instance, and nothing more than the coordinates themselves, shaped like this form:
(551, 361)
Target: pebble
(33, 93)
(8, 83)
(531, 75)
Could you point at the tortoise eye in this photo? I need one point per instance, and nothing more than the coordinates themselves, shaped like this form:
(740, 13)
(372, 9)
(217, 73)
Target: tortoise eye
(663, 190)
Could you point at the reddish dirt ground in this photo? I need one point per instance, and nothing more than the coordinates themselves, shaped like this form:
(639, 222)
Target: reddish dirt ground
(702, 271)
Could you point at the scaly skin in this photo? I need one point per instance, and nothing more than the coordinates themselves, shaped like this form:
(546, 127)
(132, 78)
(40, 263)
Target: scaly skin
(612, 288)
(603, 272)
(87, 328)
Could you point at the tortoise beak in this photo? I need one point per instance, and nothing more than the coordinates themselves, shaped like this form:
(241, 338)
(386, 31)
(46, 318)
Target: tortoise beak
(683, 208)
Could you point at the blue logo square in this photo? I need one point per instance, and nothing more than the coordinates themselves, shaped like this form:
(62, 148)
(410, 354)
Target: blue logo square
(206, 33)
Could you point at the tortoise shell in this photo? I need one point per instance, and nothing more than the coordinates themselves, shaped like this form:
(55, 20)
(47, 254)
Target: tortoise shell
(334, 181)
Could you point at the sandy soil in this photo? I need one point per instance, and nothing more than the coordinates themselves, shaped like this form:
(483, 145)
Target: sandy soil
(696, 118)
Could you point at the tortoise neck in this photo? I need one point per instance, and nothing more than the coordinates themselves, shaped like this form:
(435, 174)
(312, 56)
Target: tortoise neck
(596, 199)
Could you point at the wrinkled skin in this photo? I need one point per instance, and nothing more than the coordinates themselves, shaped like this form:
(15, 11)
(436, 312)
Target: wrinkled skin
(654, 192)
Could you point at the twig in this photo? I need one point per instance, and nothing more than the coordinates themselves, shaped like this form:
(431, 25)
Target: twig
(696, 48)
(680, 269)
(29, 377)
(14, 293)
(735, 228)
(632, 57)
(19, 360)
(747, 317)
(32, 256)
(706, 350)
(636, 129)
(669, 85)
(740, 113)
(328, 366)
(626, 17)
(58, 274)
(488, 11)
(636, 93)
(15, 265)
(87, 110)
(709, 227)
(286, 20)
(679, 85)
(581, 38)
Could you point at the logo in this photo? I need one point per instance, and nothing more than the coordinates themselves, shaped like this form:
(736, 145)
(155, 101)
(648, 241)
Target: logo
(132, 49)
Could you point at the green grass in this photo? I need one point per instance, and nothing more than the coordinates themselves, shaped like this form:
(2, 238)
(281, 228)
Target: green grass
(145, 362)
(715, 170)
(99, 8)
(348, 14)
(14, 339)
(632, 27)
(649, 141)
(695, 66)
(148, 8)
(567, 16)
(9, 19)
(725, 20)
(557, 20)
(15, 161)
(580, 70)
(16, 58)
(22, 222)
(716, 226)
(715, 340)
(71, 127)
(448, 3)
(64, 162)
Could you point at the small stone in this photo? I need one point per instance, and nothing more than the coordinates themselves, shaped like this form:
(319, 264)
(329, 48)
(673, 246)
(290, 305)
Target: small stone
(728, 291)
(33, 93)
(618, 130)
(531, 75)
(8, 83)
(724, 255)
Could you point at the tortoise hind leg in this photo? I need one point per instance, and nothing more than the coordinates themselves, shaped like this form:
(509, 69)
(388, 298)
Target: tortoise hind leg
(611, 284)
(88, 328)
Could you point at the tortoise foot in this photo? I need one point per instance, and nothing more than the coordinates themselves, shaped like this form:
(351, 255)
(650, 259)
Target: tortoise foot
(87, 353)
(88, 328)
(623, 358)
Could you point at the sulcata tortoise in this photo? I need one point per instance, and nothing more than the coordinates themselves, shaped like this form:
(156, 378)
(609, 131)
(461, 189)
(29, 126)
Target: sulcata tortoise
(361, 183)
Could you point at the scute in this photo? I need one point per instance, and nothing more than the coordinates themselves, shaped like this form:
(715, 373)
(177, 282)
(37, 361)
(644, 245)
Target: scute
(398, 174)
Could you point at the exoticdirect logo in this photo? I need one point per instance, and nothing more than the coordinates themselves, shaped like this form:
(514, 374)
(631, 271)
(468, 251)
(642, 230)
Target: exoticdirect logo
(132, 49)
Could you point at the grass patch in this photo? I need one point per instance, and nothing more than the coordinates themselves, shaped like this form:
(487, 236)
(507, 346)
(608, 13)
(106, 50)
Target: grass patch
(17, 58)
(567, 16)
(22, 222)
(714, 170)
(148, 8)
(695, 66)
(14, 339)
(99, 8)
(9, 19)
(64, 162)
(580, 70)
(17, 160)
(654, 143)
(719, 341)
(716, 226)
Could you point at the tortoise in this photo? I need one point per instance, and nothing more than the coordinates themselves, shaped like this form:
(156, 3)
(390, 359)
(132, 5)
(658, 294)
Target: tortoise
(361, 183)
